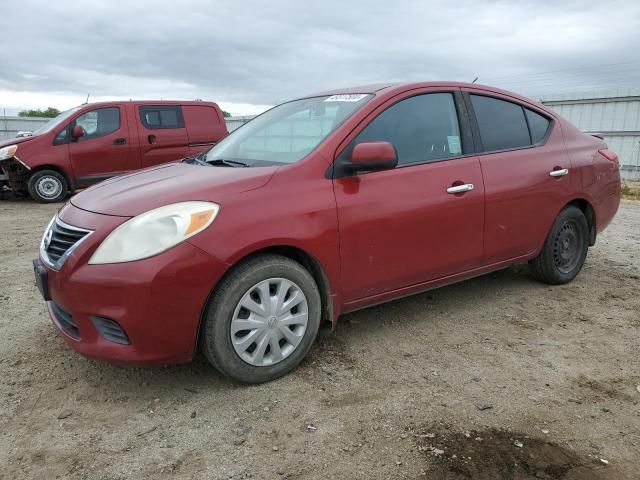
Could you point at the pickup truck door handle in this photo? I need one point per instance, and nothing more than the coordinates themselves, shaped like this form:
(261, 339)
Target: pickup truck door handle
(151, 139)
(467, 187)
(560, 172)
(120, 141)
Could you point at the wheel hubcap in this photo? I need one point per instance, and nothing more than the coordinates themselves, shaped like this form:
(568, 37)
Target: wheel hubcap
(49, 187)
(269, 322)
(567, 247)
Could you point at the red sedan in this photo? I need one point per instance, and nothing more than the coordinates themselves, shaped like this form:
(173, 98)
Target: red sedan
(321, 206)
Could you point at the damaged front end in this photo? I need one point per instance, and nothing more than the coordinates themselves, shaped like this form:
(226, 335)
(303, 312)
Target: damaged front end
(13, 174)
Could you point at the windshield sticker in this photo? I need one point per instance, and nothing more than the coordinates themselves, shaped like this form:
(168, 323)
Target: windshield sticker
(346, 97)
(454, 144)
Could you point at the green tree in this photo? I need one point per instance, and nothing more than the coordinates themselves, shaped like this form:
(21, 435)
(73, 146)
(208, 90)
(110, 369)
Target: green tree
(225, 114)
(48, 113)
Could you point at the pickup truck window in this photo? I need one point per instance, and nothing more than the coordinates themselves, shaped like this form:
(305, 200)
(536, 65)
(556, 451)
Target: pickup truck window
(161, 116)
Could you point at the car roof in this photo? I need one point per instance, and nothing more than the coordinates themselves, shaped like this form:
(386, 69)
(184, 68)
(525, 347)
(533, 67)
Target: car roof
(391, 89)
(148, 102)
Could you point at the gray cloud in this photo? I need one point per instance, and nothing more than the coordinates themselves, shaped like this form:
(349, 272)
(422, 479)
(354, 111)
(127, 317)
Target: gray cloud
(265, 52)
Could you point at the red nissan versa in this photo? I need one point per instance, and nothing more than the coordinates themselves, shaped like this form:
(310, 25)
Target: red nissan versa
(318, 207)
(95, 141)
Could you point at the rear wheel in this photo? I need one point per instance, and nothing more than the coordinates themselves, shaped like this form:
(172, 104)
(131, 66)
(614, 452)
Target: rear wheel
(564, 250)
(47, 186)
(262, 320)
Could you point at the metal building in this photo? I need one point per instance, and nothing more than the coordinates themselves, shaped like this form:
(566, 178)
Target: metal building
(614, 113)
(10, 126)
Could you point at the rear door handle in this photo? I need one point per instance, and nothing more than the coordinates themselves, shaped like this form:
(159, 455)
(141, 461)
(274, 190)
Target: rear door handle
(467, 187)
(561, 172)
(120, 141)
(151, 139)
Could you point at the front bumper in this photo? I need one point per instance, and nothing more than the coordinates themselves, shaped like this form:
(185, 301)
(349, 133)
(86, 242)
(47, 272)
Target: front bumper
(157, 302)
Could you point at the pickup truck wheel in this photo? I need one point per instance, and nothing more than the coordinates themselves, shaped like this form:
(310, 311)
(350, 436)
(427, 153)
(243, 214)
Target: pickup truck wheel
(47, 186)
(564, 250)
(262, 319)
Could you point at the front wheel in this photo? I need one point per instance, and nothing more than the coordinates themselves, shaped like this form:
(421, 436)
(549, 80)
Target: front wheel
(565, 249)
(262, 319)
(47, 186)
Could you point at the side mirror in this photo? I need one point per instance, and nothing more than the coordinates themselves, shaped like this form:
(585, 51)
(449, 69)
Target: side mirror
(372, 156)
(78, 131)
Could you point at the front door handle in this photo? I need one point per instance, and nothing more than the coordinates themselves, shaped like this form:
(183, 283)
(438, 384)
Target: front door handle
(561, 172)
(151, 139)
(120, 141)
(467, 187)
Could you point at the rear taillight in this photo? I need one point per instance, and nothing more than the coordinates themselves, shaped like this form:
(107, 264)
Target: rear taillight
(609, 155)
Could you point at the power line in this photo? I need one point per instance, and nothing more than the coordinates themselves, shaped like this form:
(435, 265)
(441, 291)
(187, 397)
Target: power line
(574, 69)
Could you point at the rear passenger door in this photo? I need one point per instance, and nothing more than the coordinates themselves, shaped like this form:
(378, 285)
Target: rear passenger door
(523, 159)
(163, 135)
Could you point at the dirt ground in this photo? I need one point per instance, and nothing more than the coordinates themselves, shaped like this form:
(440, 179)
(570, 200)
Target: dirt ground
(496, 377)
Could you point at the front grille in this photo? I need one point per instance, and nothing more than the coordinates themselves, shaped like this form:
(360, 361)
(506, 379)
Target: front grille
(59, 240)
(65, 321)
(110, 330)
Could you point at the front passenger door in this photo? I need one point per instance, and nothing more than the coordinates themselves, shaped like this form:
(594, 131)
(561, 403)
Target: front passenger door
(406, 226)
(104, 150)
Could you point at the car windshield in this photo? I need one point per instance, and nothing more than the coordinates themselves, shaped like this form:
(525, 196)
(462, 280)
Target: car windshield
(286, 133)
(51, 124)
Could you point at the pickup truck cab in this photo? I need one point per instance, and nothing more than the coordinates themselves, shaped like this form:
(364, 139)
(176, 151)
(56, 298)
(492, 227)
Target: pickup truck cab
(92, 142)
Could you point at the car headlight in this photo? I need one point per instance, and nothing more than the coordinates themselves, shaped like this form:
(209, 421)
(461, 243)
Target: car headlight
(155, 231)
(8, 152)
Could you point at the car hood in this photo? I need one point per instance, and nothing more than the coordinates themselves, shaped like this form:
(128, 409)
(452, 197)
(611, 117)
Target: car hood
(138, 192)
(16, 141)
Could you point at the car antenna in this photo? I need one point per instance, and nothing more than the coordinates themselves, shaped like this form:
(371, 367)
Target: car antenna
(475, 80)
(87, 100)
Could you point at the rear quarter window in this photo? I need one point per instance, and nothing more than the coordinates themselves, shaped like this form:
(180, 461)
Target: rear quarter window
(161, 116)
(538, 126)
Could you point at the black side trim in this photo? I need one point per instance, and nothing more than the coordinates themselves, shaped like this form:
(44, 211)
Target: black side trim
(91, 179)
(473, 122)
(464, 123)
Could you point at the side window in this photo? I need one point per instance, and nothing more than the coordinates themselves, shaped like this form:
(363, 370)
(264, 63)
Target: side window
(423, 128)
(161, 116)
(538, 126)
(502, 124)
(99, 122)
(62, 136)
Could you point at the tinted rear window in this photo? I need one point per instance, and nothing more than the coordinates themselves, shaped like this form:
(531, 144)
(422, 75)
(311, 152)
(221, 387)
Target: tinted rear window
(538, 125)
(502, 124)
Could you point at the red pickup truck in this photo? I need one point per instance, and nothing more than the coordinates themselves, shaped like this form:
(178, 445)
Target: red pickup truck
(92, 142)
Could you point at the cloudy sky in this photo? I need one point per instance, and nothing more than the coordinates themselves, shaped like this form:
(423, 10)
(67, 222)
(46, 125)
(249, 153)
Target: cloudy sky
(250, 54)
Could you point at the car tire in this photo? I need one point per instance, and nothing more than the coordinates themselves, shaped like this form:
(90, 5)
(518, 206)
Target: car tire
(564, 250)
(276, 338)
(47, 186)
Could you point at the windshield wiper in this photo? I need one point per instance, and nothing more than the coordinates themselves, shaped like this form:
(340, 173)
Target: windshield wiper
(227, 163)
(197, 159)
